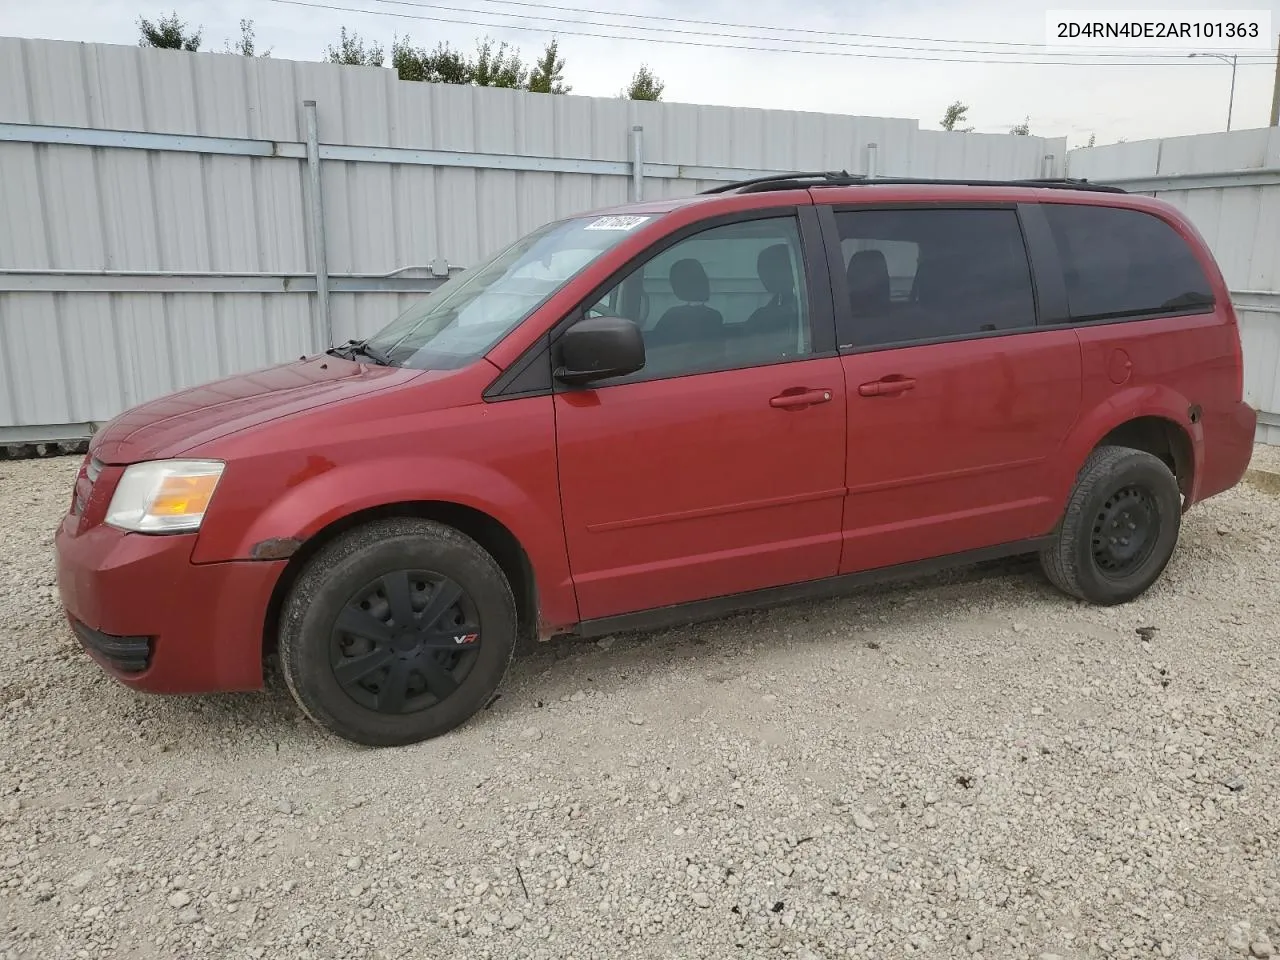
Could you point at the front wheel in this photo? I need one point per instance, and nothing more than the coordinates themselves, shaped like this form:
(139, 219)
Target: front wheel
(396, 632)
(1119, 530)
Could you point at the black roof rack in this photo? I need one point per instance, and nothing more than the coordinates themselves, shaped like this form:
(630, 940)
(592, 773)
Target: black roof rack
(802, 181)
(782, 181)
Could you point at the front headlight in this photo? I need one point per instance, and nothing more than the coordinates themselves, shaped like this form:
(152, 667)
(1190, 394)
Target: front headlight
(164, 496)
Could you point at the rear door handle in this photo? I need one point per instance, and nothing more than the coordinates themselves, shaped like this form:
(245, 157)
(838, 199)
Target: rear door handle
(799, 397)
(887, 386)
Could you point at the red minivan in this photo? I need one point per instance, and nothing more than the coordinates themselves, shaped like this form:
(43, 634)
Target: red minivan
(664, 412)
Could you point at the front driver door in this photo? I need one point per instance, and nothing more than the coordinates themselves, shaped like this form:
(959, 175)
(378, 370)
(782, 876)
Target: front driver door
(719, 467)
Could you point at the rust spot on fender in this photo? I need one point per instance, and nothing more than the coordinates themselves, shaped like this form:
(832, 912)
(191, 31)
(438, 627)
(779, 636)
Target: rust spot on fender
(277, 548)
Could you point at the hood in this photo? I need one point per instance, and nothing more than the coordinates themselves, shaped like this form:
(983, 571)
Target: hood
(180, 421)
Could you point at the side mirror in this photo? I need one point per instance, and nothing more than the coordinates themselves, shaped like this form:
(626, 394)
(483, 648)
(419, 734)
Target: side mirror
(597, 348)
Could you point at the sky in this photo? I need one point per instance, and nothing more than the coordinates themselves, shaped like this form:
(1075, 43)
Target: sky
(1073, 96)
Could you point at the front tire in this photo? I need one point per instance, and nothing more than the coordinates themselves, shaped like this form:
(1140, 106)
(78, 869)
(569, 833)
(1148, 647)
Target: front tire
(1119, 530)
(397, 632)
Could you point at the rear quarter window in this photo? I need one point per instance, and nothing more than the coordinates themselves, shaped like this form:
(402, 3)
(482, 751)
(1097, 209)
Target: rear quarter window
(1122, 263)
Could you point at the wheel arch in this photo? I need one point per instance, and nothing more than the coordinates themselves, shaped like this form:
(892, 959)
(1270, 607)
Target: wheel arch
(1155, 419)
(490, 533)
(1162, 438)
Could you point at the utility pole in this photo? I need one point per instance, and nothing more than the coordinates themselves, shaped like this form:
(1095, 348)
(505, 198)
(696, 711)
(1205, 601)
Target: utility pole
(1275, 96)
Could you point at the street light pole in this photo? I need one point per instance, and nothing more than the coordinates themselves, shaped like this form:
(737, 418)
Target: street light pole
(1275, 94)
(1231, 103)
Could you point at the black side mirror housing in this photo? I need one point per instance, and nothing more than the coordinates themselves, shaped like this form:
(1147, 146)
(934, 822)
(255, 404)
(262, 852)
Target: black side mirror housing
(598, 348)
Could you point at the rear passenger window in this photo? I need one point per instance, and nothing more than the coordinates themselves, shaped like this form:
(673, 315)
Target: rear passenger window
(1124, 263)
(918, 275)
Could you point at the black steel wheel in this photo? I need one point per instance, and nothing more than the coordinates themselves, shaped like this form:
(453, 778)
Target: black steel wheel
(1119, 530)
(397, 632)
(1125, 531)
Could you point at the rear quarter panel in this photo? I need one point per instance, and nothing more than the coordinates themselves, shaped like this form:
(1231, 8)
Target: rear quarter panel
(1164, 367)
(1159, 386)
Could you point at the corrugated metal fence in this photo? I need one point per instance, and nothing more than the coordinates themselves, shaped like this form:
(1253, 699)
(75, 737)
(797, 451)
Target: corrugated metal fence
(1229, 185)
(159, 219)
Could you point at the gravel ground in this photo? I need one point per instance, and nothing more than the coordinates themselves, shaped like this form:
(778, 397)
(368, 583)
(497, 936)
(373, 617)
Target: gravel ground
(1266, 458)
(971, 766)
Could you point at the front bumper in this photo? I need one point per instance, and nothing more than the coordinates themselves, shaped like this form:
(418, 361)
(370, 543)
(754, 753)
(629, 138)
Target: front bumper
(158, 622)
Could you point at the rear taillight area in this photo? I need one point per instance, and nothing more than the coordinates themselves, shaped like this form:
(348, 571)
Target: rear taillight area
(1237, 386)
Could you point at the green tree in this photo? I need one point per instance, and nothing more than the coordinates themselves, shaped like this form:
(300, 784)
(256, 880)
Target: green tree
(247, 45)
(351, 50)
(956, 113)
(441, 65)
(644, 85)
(498, 68)
(548, 73)
(1093, 138)
(1022, 129)
(168, 33)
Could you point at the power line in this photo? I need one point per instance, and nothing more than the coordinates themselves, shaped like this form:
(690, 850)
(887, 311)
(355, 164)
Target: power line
(314, 4)
(420, 4)
(750, 26)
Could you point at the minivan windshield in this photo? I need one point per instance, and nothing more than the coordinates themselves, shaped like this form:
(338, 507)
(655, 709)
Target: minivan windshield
(460, 321)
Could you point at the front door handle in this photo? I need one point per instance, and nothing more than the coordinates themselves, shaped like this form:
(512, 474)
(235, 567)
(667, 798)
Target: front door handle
(800, 397)
(887, 386)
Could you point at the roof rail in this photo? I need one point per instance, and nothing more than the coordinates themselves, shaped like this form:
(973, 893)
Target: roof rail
(783, 179)
(801, 181)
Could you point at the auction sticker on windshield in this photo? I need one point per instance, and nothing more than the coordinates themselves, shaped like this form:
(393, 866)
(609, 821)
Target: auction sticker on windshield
(616, 223)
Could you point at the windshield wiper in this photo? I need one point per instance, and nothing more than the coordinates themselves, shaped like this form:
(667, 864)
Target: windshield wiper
(353, 348)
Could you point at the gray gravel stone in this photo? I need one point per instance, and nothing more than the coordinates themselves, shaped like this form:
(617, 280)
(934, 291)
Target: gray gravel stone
(1028, 792)
(1238, 938)
(80, 880)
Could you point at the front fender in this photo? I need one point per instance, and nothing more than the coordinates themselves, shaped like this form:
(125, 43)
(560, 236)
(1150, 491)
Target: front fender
(307, 507)
(1148, 400)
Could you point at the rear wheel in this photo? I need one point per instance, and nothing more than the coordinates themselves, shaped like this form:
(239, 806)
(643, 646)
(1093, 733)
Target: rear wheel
(397, 632)
(1120, 528)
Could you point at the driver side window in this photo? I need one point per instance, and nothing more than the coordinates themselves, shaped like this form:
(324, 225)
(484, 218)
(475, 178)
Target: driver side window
(731, 296)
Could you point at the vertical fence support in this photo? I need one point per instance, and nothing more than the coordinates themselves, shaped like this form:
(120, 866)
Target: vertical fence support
(872, 157)
(324, 323)
(637, 163)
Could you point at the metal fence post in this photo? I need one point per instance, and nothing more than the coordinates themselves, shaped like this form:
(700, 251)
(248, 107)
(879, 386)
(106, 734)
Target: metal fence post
(324, 324)
(637, 163)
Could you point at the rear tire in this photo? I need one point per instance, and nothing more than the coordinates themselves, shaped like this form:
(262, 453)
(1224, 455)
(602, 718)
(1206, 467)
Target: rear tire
(375, 678)
(1119, 530)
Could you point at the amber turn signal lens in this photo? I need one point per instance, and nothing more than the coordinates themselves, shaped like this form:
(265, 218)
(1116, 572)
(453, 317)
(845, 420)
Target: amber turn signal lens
(183, 496)
(164, 496)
